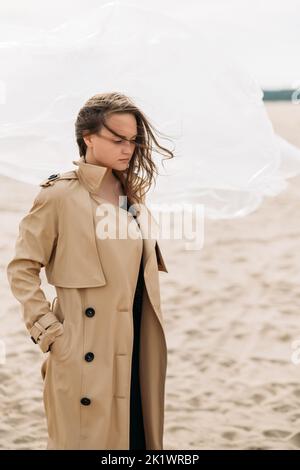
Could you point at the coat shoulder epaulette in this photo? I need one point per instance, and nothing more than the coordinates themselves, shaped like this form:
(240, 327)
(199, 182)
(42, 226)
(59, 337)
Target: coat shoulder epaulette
(69, 175)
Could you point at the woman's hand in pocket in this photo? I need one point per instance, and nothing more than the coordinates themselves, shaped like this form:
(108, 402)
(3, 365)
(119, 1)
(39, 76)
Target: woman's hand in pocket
(59, 348)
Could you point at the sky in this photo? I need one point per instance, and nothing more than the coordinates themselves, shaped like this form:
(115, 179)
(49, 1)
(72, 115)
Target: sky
(265, 34)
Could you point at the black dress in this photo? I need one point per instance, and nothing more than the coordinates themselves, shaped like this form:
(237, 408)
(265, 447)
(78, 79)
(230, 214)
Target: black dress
(137, 435)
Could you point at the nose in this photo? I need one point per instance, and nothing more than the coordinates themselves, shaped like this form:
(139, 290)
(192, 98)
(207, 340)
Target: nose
(126, 147)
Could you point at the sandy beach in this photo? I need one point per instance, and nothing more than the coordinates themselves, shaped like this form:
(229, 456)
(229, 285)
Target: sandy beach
(231, 312)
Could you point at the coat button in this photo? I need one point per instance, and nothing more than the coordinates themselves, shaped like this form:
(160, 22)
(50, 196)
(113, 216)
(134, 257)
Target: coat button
(85, 401)
(90, 312)
(53, 177)
(89, 356)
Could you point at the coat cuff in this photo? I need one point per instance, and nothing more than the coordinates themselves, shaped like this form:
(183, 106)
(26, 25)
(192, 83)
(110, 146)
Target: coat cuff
(45, 330)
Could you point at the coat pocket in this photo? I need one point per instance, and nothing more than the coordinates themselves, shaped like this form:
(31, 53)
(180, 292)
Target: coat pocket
(60, 347)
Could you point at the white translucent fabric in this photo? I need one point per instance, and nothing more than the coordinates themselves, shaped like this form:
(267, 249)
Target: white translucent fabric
(226, 153)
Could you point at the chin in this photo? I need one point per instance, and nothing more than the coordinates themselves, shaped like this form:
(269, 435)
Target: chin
(123, 164)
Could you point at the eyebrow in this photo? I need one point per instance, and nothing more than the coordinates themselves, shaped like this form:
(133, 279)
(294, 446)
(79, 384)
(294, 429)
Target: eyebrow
(124, 137)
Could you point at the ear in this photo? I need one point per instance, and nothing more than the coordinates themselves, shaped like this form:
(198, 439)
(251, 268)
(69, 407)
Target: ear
(88, 140)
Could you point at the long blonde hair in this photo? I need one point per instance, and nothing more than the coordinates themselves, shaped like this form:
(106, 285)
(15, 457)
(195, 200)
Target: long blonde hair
(138, 178)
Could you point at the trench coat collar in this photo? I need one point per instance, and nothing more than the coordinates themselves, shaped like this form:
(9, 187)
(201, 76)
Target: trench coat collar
(90, 175)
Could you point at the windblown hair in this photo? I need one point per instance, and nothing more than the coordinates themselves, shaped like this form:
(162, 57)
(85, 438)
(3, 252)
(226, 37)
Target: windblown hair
(138, 178)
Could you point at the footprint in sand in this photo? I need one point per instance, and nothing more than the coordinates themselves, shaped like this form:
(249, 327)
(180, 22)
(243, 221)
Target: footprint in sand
(276, 433)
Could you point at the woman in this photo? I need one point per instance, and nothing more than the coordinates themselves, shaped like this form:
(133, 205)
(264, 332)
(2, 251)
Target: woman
(104, 376)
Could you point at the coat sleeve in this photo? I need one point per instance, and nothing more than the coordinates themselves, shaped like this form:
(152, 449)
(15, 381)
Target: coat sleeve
(38, 232)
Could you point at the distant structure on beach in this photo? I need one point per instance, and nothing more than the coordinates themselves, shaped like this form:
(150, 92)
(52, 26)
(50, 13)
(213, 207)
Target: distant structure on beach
(281, 95)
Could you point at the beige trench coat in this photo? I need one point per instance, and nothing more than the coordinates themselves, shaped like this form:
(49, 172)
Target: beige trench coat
(52, 235)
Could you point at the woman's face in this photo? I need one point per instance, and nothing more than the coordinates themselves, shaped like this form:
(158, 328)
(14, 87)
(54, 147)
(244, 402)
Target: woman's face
(107, 149)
